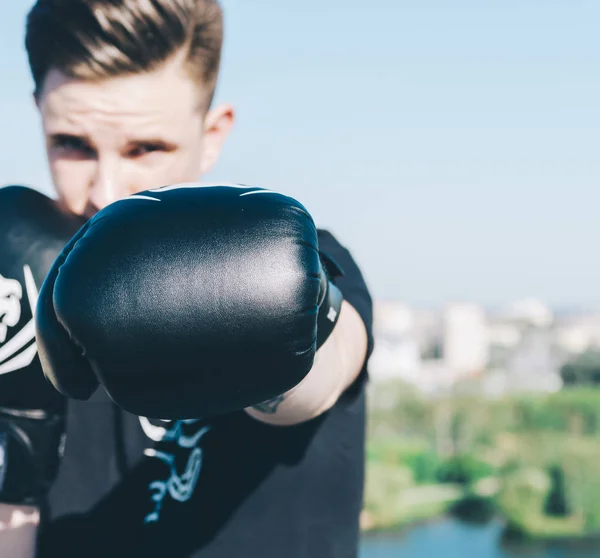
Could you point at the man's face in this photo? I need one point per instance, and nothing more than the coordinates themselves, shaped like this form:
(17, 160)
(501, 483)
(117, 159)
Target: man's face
(109, 139)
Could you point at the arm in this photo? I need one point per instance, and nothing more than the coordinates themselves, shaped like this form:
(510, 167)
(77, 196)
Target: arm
(340, 360)
(18, 531)
(337, 365)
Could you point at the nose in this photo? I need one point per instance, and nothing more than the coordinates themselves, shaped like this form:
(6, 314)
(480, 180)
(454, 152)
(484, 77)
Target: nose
(104, 187)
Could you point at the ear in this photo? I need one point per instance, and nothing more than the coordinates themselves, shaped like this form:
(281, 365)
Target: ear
(217, 125)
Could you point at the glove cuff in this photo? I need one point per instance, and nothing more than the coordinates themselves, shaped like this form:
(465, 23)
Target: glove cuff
(330, 299)
(31, 445)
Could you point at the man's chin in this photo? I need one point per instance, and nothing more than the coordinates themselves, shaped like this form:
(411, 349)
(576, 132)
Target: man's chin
(90, 210)
(64, 207)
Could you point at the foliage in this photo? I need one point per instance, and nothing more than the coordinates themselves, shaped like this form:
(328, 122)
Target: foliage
(583, 370)
(540, 455)
(463, 469)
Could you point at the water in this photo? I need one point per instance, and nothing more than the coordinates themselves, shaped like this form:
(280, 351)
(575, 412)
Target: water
(454, 539)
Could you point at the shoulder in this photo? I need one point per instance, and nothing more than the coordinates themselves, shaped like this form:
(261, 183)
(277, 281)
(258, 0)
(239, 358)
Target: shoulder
(331, 246)
(352, 275)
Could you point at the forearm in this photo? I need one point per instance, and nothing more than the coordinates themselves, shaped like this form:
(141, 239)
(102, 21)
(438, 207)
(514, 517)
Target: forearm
(337, 364)
(18, 531)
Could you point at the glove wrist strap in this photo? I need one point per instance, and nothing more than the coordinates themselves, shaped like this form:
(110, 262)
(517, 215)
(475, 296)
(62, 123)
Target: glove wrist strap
(330, 301)
(31, 444)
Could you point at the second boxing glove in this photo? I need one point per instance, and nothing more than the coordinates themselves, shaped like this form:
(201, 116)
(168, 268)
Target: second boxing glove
(33, 231)
(188, 301)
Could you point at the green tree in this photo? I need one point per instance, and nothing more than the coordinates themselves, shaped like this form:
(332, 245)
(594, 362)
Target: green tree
(556, 502)
(583, 370)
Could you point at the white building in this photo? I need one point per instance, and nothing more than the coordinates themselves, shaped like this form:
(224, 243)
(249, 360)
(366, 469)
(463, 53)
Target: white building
(535, 365)
(465, 338)
(504, 334)
(579, 333)
(396, 353)
(529, 311)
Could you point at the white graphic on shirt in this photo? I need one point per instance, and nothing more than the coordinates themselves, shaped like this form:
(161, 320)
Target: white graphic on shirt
(180, 487)
(155, 433)
(19, 351)
(10, 305)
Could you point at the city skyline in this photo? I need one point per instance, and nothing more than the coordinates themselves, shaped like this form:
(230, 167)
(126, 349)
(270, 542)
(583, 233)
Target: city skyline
(522, 349)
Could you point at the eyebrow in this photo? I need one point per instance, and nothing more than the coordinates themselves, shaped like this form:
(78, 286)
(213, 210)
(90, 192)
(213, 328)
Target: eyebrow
(151, 140)
(68, 135)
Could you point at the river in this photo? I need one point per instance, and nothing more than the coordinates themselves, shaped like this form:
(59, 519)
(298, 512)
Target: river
(454, 539)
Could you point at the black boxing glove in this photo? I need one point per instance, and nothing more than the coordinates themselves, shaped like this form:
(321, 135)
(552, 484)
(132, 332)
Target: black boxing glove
(188, 301)
(32, 413)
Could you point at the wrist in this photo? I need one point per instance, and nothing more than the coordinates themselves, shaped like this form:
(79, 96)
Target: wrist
(18, 531)
(18, 516)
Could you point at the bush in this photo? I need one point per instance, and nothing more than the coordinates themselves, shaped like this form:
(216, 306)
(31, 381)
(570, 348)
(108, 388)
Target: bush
(383, 488)
(556, 503)
(584, 370)
(463, 469)
(474, 509)
(523, 494)
(542, 450)
(424, 466)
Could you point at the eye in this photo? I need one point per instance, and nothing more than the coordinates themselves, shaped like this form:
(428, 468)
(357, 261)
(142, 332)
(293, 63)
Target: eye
(141, 149)
(72, 145)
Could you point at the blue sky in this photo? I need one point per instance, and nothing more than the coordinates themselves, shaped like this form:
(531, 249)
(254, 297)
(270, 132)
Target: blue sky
(452, 146)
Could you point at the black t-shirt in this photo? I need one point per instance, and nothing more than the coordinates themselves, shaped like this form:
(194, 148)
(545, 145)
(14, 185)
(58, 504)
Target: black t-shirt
(223, 488)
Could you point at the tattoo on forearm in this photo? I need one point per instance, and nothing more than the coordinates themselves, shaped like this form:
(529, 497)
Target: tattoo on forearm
(269, 407)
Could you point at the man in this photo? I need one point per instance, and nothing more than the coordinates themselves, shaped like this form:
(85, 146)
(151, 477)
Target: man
(124, 89)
